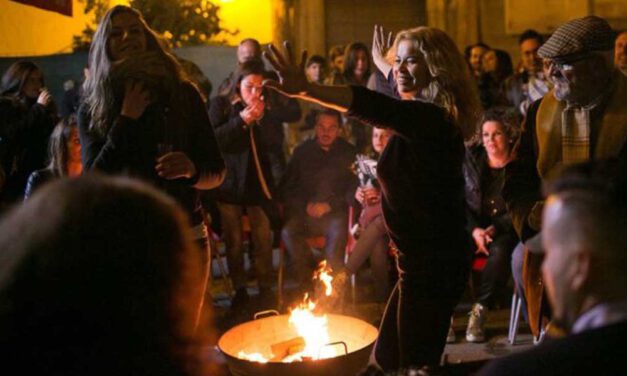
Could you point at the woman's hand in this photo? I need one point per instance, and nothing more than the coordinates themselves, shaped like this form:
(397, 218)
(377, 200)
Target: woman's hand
(372, 195)
(380, 46)
(482, 238)
(253, 112)
(136, 99)
(360, 196)
(175, 165)
(292, 74)
(44, 97)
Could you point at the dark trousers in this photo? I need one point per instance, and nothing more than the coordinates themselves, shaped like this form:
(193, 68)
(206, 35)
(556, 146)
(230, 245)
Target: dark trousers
(416, 320)
(333, 226)
(496, 272)
(261, 234)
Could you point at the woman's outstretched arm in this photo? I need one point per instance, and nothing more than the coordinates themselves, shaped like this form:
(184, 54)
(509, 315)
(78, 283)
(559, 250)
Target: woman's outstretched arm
(294, 83)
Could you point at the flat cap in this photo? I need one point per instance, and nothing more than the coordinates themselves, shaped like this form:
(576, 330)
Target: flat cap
(579, 37)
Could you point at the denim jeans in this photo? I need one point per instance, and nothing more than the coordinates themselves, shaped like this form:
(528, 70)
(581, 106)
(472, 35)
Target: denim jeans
(261, 237)
(333, 226)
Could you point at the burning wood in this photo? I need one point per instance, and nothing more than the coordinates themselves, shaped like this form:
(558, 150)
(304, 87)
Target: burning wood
(284, 349)
(313, 335)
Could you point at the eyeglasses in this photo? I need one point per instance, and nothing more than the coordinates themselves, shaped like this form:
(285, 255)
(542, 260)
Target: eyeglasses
(563, 66)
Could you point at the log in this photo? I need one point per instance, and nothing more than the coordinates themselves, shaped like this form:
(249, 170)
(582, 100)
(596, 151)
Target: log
(282, 349)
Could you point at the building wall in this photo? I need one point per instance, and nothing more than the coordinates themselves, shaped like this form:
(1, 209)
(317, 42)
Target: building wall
(29, 31)
(353, 20)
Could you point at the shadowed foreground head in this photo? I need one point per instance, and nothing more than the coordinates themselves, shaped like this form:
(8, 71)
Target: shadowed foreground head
(98, 276)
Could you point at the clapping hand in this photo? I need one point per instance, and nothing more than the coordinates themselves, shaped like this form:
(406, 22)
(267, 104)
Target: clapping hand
(293, 80)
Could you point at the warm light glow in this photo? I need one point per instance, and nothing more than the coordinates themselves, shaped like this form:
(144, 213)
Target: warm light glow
(253, 19)
(254, 357)
(323, 273)
(313, 329)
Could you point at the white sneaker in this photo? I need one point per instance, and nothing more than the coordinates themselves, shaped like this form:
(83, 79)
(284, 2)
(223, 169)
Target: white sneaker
(475, 332)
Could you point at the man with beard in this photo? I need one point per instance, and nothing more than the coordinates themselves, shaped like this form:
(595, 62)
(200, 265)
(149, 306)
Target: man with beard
(530, 82)
(584, 238)
(582, 118)
(317, 188)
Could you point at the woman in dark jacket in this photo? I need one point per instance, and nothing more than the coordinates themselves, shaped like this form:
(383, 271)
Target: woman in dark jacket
(64, 155)
(421, 178)
(240, 119)
(140, 117)
(488, 221)
(27, 117)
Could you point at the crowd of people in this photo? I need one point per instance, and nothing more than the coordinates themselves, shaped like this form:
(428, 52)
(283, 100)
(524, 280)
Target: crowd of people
(442, 156)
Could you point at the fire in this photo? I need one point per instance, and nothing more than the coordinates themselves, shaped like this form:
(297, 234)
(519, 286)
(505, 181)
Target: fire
(313, 334)
(254, 357)
(313, 329)
(323, 274)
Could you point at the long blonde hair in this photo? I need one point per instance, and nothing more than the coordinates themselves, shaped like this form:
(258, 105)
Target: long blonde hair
(450, 85)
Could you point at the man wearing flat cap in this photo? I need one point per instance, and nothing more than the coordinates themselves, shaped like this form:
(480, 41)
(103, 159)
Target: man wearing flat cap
(584, 117)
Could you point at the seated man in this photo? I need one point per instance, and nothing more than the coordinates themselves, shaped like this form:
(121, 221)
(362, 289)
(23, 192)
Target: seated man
(317, 187)
(584, 222)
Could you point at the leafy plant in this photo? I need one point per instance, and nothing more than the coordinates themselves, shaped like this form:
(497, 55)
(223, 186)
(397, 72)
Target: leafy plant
(179, 22)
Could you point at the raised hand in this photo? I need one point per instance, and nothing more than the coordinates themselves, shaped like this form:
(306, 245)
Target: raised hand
(136, 99)
(380, 46)
(293, 81)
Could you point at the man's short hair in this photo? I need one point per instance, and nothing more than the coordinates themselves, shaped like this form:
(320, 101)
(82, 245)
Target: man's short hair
(328, 112)
(530, 34)
(254, 41)
(594, 195)
(315, 59)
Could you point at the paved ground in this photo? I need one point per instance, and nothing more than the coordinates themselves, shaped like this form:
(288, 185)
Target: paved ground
(459, 352)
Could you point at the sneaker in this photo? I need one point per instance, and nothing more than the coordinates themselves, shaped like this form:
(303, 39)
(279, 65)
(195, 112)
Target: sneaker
(450, 337)
(474, 331)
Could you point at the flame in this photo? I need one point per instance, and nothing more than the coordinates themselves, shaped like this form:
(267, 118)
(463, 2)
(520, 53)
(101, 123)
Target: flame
(323, 273)
(313, 329)
(253, 357)
(310, 326)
